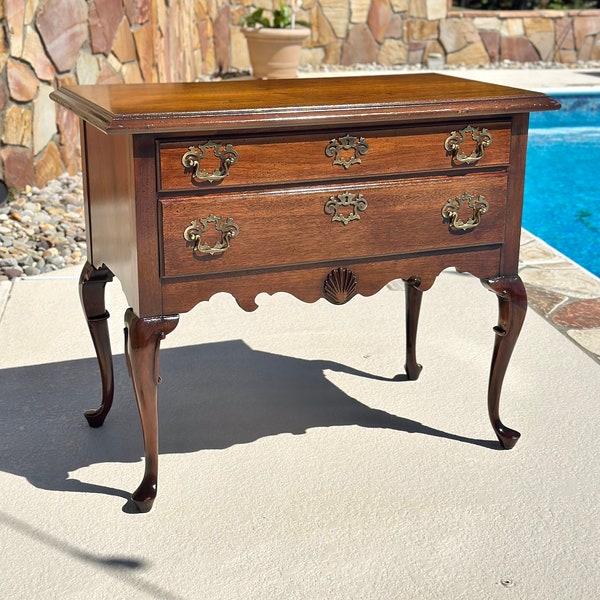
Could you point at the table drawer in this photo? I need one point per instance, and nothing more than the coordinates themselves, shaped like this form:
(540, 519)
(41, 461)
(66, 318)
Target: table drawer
(234, 232)
(329, 156)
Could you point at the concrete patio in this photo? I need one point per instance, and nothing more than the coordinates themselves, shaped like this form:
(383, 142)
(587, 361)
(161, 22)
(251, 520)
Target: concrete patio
(293, 465)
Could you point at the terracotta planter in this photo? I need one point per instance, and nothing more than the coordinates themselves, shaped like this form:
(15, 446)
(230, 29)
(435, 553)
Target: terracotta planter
(275, 53)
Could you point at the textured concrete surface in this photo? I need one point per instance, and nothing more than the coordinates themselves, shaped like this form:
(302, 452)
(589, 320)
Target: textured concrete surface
(292, 466)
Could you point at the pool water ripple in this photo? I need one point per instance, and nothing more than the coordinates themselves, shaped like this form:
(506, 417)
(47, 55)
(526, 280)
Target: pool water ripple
(562, 196)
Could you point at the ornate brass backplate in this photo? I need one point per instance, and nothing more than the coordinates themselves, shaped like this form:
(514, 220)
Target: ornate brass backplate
(193, 234)
(481, 137)
(345, 143)
(340, 285)
(478, 204)
(224, 152)
(345, 200)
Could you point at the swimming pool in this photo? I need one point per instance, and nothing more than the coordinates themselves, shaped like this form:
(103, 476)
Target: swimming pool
(562, 193)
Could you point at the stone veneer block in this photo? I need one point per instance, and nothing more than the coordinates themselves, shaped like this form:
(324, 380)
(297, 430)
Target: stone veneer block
(68, 127)
(418, 9)
(379, 18)
(63, 28)
(17, 126)
(456, 34)
(322, 32)
(563, 32)
(360, 47)
(105, 16)
(221, 33)
(487, 23)
(541, 34)
(132, 74)
(395, 29)
(359, 10)
(400, 6)
(491, 41)
(124, 46)
(15, 17)
(22, 83)
(44, 119)
(138, 11)
(3, 97)
(584, 27)
(393, 52)
(437, 9)
(144, 44)
(48, 166)
(87, 69)
(416, 52)
(512, 27)
(240, 60)
(107, 74)
(518, 49)
(18, 166)
(35, 55)
(338, 14)
(420, 29)
(544, 44)
(473, 54)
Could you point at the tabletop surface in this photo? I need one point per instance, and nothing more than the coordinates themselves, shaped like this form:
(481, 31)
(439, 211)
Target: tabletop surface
(137, 108)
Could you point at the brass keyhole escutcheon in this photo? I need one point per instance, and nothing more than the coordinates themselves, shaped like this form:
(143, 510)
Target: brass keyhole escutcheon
(347, 200)
(347, 145)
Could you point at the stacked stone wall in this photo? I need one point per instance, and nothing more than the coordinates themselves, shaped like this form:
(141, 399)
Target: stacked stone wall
(48, 43)
(45, 44)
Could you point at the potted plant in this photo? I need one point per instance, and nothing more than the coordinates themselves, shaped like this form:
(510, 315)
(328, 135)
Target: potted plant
(274, 45)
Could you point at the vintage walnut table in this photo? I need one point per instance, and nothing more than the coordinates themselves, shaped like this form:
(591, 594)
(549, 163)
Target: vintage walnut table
(316, 187)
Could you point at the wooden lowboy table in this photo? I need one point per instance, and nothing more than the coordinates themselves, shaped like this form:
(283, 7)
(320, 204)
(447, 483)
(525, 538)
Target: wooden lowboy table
(316, 187)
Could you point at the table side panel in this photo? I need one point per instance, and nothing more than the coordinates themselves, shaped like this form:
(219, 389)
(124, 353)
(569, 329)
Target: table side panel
(110, 206)
(514, 203)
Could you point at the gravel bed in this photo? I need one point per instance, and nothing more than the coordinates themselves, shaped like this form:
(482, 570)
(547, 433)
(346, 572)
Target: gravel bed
(42, 230)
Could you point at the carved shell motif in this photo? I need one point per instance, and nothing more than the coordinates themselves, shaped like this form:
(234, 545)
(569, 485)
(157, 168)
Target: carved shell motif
(340, 285)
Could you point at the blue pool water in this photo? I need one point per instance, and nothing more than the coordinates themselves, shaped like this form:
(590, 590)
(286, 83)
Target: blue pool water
(562, 191)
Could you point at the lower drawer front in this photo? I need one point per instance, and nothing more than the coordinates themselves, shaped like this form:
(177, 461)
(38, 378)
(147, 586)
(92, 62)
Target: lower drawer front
(234, 232)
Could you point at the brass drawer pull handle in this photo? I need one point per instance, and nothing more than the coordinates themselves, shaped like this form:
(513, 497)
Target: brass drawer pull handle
(193, 234)
(345, 143)
(345, 200)
(477, 204)
(224, 152)
(481, 137)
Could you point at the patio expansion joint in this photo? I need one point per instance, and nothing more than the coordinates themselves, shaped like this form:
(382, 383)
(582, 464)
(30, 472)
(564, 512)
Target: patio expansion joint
(5, 295)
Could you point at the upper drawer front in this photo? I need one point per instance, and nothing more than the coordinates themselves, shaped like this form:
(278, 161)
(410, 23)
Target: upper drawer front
(240, 231)
(326, 156)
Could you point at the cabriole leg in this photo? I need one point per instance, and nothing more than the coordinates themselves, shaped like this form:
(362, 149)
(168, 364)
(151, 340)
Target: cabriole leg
(512, 306)
(91, 293)
(413, 297)
(142, 342)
